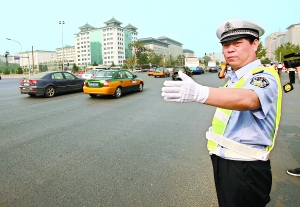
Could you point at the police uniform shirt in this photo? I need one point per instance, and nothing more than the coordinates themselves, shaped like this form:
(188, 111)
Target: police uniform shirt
(253, 128)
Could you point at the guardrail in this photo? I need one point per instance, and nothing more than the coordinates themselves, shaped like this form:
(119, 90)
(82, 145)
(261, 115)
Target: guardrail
(14, 76)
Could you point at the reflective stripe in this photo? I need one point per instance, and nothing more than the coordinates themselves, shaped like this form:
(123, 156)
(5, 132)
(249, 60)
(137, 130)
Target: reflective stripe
(247, 75)
(222, 116)
(235, 148)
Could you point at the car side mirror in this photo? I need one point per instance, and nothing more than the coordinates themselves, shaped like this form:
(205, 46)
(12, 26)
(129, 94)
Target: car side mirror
(135, 76)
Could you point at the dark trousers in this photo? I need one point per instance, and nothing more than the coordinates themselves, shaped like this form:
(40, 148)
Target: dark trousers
(292, 76)
(242, 183)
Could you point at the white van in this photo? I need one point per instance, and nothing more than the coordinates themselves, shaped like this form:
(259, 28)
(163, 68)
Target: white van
(115, 67)
(90, 71)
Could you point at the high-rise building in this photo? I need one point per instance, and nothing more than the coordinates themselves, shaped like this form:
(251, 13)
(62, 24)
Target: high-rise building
(66, 54)
(158, 47)
(106, 45)
(274, 40)
(187, 52)
(175, 47)
(82, 45)
(293, 34)
(163, 46)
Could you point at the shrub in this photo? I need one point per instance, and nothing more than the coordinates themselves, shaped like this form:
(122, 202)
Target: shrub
(6, 71)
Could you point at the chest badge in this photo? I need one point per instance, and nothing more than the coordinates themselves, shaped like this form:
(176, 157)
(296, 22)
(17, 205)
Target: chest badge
(261, 82)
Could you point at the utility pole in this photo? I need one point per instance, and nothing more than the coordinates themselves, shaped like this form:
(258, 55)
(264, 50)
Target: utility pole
(62, 42)
(6, 54)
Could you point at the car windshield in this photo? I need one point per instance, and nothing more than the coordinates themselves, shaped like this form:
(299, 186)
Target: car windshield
(104, 74)
(178, 69)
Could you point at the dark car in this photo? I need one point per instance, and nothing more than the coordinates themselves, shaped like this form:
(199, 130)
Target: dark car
(213, 69)
(51, 83)
(201, 69)
(184, 69)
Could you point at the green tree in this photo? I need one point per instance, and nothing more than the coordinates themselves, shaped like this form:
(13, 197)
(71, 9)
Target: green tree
(261, 51)
(180, 59)
(206, 59)
(265, 61)
(141, 52)
(112, 64)
(19, 71)
(75, 68)
(155, 59)
(130, 62)
(95, 64)
(285, 49)
(6, 71)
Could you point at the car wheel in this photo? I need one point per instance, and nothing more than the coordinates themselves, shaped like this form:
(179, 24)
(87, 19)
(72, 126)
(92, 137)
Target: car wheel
(50, 91)
(93, 95)
(140, 89)
(118, 92)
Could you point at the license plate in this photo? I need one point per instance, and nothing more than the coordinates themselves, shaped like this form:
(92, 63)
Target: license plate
(26, 84)
(93, 84)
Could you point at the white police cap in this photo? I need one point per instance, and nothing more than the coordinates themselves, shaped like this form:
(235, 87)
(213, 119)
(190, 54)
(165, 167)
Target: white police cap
(237, 28)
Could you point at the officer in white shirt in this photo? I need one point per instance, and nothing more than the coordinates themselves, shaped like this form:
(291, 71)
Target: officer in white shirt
(279, 68)
(246, 120)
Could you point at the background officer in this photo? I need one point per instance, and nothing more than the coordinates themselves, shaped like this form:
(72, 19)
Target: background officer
(291, 72)
(246, 120)
(224, 73)
(295, 172)
(279, 68)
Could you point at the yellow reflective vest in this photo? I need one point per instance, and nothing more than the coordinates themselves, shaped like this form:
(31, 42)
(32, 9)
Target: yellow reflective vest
(220, 120)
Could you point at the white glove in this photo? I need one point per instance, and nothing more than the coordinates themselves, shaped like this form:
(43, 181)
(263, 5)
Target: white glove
(186, 90)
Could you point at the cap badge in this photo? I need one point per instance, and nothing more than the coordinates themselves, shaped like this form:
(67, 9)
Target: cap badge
(228, 27)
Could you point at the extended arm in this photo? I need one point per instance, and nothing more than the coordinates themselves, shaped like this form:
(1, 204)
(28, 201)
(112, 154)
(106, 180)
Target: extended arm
(233, 98)
(188, 90)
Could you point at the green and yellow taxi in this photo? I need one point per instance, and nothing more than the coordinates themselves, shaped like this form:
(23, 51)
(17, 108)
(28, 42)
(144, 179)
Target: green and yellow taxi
(150, 71)
(161, 72)
(113, 82)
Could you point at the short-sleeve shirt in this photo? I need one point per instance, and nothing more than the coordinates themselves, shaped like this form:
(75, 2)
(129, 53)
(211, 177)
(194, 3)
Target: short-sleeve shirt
(254, 128)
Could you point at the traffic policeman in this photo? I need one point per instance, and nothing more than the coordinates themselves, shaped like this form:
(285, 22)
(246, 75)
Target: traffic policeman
(246, 121)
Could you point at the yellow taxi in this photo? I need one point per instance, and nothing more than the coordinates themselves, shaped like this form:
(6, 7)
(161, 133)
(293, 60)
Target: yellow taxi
(161, 72)
(150, 71)
(113, 82)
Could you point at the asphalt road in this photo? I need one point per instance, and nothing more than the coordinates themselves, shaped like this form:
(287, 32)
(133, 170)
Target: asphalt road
(73, 150)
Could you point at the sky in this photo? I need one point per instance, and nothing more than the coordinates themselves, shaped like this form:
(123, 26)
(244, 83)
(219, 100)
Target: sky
(34, 24)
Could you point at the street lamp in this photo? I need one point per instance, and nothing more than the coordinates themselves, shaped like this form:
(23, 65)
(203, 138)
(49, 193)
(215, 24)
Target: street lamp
(62, 41)
(20, 52)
